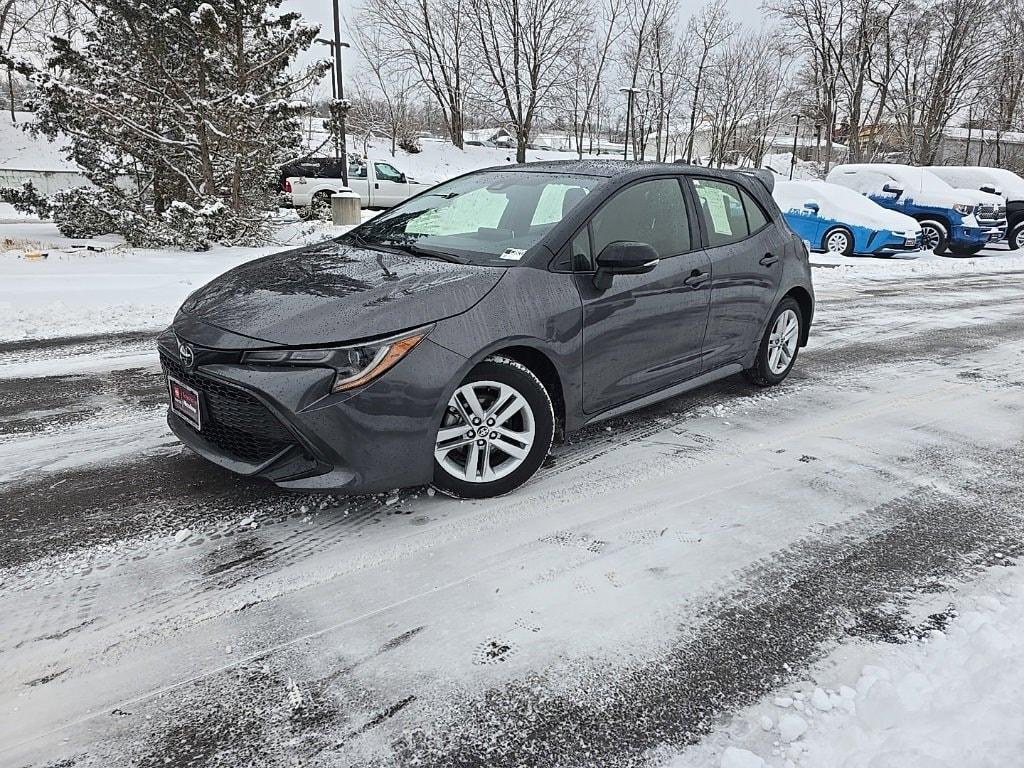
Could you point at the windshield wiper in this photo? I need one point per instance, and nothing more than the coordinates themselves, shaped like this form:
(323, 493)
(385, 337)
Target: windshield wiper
(415, 250)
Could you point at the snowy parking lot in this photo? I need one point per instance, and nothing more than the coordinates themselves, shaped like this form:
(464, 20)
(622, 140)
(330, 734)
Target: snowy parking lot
(823, 574)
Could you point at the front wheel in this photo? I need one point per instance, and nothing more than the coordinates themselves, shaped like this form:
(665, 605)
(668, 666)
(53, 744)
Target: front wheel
(1016, 236)
(935, 236)
(779, 347)
(495, 433)
(839, 241)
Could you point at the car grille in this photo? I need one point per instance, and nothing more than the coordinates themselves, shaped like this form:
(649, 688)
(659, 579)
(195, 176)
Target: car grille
(991, 215)
(233, 420)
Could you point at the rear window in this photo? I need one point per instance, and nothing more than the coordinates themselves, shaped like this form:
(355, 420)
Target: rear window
(721, 207)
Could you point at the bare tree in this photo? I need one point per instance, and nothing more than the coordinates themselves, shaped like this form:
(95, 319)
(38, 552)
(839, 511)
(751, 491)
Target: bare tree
(431, 38)
(525, 47)
(389, 82)
(942, 50)
(709, 29)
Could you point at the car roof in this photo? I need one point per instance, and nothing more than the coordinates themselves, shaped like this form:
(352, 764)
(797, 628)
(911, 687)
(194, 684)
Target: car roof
(612, 168)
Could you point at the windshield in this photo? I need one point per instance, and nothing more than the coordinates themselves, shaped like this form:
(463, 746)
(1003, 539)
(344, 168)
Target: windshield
(489, 219)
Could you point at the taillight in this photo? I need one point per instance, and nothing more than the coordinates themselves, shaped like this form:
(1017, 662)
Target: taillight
(287, 186)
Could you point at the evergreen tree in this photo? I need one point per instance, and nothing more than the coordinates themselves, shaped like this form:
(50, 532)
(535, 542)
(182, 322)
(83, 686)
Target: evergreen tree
(195, 102)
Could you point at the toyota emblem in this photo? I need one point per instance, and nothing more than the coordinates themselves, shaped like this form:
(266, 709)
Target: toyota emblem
(186, 355)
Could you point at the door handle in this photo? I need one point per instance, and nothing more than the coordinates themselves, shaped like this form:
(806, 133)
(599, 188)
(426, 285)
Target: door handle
(768, 259)
(697, 278)
(376, 185)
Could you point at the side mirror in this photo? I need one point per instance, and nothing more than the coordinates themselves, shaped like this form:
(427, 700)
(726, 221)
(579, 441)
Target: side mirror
(812, 205)
(893, 189)
(402, 178)
(624, 258)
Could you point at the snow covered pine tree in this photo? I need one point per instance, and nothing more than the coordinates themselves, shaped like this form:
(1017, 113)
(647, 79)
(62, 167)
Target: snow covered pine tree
(181, 113)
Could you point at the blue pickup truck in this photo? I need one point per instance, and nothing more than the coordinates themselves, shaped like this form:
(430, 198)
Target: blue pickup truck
(954, 220)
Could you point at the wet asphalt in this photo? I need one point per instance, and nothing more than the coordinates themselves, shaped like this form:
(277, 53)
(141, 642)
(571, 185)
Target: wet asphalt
(850, 582)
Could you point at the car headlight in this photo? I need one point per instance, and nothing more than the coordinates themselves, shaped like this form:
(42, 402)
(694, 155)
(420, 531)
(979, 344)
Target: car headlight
(963, 209)
(354, 365)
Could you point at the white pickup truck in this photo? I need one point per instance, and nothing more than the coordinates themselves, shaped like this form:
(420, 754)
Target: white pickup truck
(310, 183)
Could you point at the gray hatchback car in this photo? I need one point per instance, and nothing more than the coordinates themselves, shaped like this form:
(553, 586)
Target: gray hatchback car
(449, 340)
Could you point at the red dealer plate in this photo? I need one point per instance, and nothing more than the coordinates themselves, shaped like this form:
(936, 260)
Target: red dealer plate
(185, 402)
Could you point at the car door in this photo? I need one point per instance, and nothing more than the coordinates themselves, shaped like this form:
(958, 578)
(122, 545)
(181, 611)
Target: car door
(645, 332)
(359, 182)
(745, 252)
(390, 186)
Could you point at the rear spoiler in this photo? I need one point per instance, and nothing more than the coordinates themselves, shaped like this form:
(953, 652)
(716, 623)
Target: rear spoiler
(765, 176)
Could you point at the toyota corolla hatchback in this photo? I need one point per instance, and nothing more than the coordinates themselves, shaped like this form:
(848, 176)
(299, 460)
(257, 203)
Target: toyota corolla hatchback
(451, 339)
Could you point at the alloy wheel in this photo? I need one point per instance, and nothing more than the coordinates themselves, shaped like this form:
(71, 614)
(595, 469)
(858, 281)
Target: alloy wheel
(837, 243)
(783, 342)
(487, 432)
(932, 237)
(1019, 238)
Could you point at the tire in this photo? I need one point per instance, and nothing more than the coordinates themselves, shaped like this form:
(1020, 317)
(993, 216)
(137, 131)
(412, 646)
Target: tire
(767, 371)
(460, 464)
(936, 236)
(838, 240)
(1015, 237)
(964, 250)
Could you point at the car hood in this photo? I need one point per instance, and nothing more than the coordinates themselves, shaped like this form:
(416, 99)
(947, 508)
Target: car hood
(336, 292)
(978, 197)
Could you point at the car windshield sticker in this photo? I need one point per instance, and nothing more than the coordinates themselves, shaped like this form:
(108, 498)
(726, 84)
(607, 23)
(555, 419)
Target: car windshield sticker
(513, 254)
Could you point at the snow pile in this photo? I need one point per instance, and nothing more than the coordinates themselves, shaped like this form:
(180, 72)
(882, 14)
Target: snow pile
(949, 700)
(51, 288)
(841, 204)
(20, 149)
(805, 169)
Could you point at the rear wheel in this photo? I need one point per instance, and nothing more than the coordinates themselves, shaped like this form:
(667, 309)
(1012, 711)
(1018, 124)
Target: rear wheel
(1016, 236)
(839, 241)
(495, 433)
(935, 235)
(779, 347)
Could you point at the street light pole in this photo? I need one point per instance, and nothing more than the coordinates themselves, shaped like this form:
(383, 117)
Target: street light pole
(339, 103)
(630, 93)
(796, 135)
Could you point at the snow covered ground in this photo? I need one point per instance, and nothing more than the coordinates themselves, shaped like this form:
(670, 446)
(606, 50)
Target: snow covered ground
(949, 697)
(664, 579)
(823, 575)
(54, 286)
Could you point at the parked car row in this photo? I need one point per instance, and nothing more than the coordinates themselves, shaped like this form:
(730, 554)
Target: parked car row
(884, 209)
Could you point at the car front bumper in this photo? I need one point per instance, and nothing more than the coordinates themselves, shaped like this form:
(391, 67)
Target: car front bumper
(285, 425)
(976, 236)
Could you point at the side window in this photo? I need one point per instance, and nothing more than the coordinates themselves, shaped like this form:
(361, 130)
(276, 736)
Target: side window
(721, 207)
(357, 170)
(650, 212)
(387, 172)
(580, 253)
(756, 217)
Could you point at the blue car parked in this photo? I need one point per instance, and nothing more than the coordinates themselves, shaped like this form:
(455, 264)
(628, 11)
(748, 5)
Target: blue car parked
(838, 220)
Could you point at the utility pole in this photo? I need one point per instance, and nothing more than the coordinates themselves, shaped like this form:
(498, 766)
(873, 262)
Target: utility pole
(796, 135)
(340, 106)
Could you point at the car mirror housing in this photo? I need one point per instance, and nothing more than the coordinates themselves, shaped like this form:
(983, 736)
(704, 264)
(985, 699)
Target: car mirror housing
(812, 205)
(991, 189)
(893, 189)
(624, 258)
